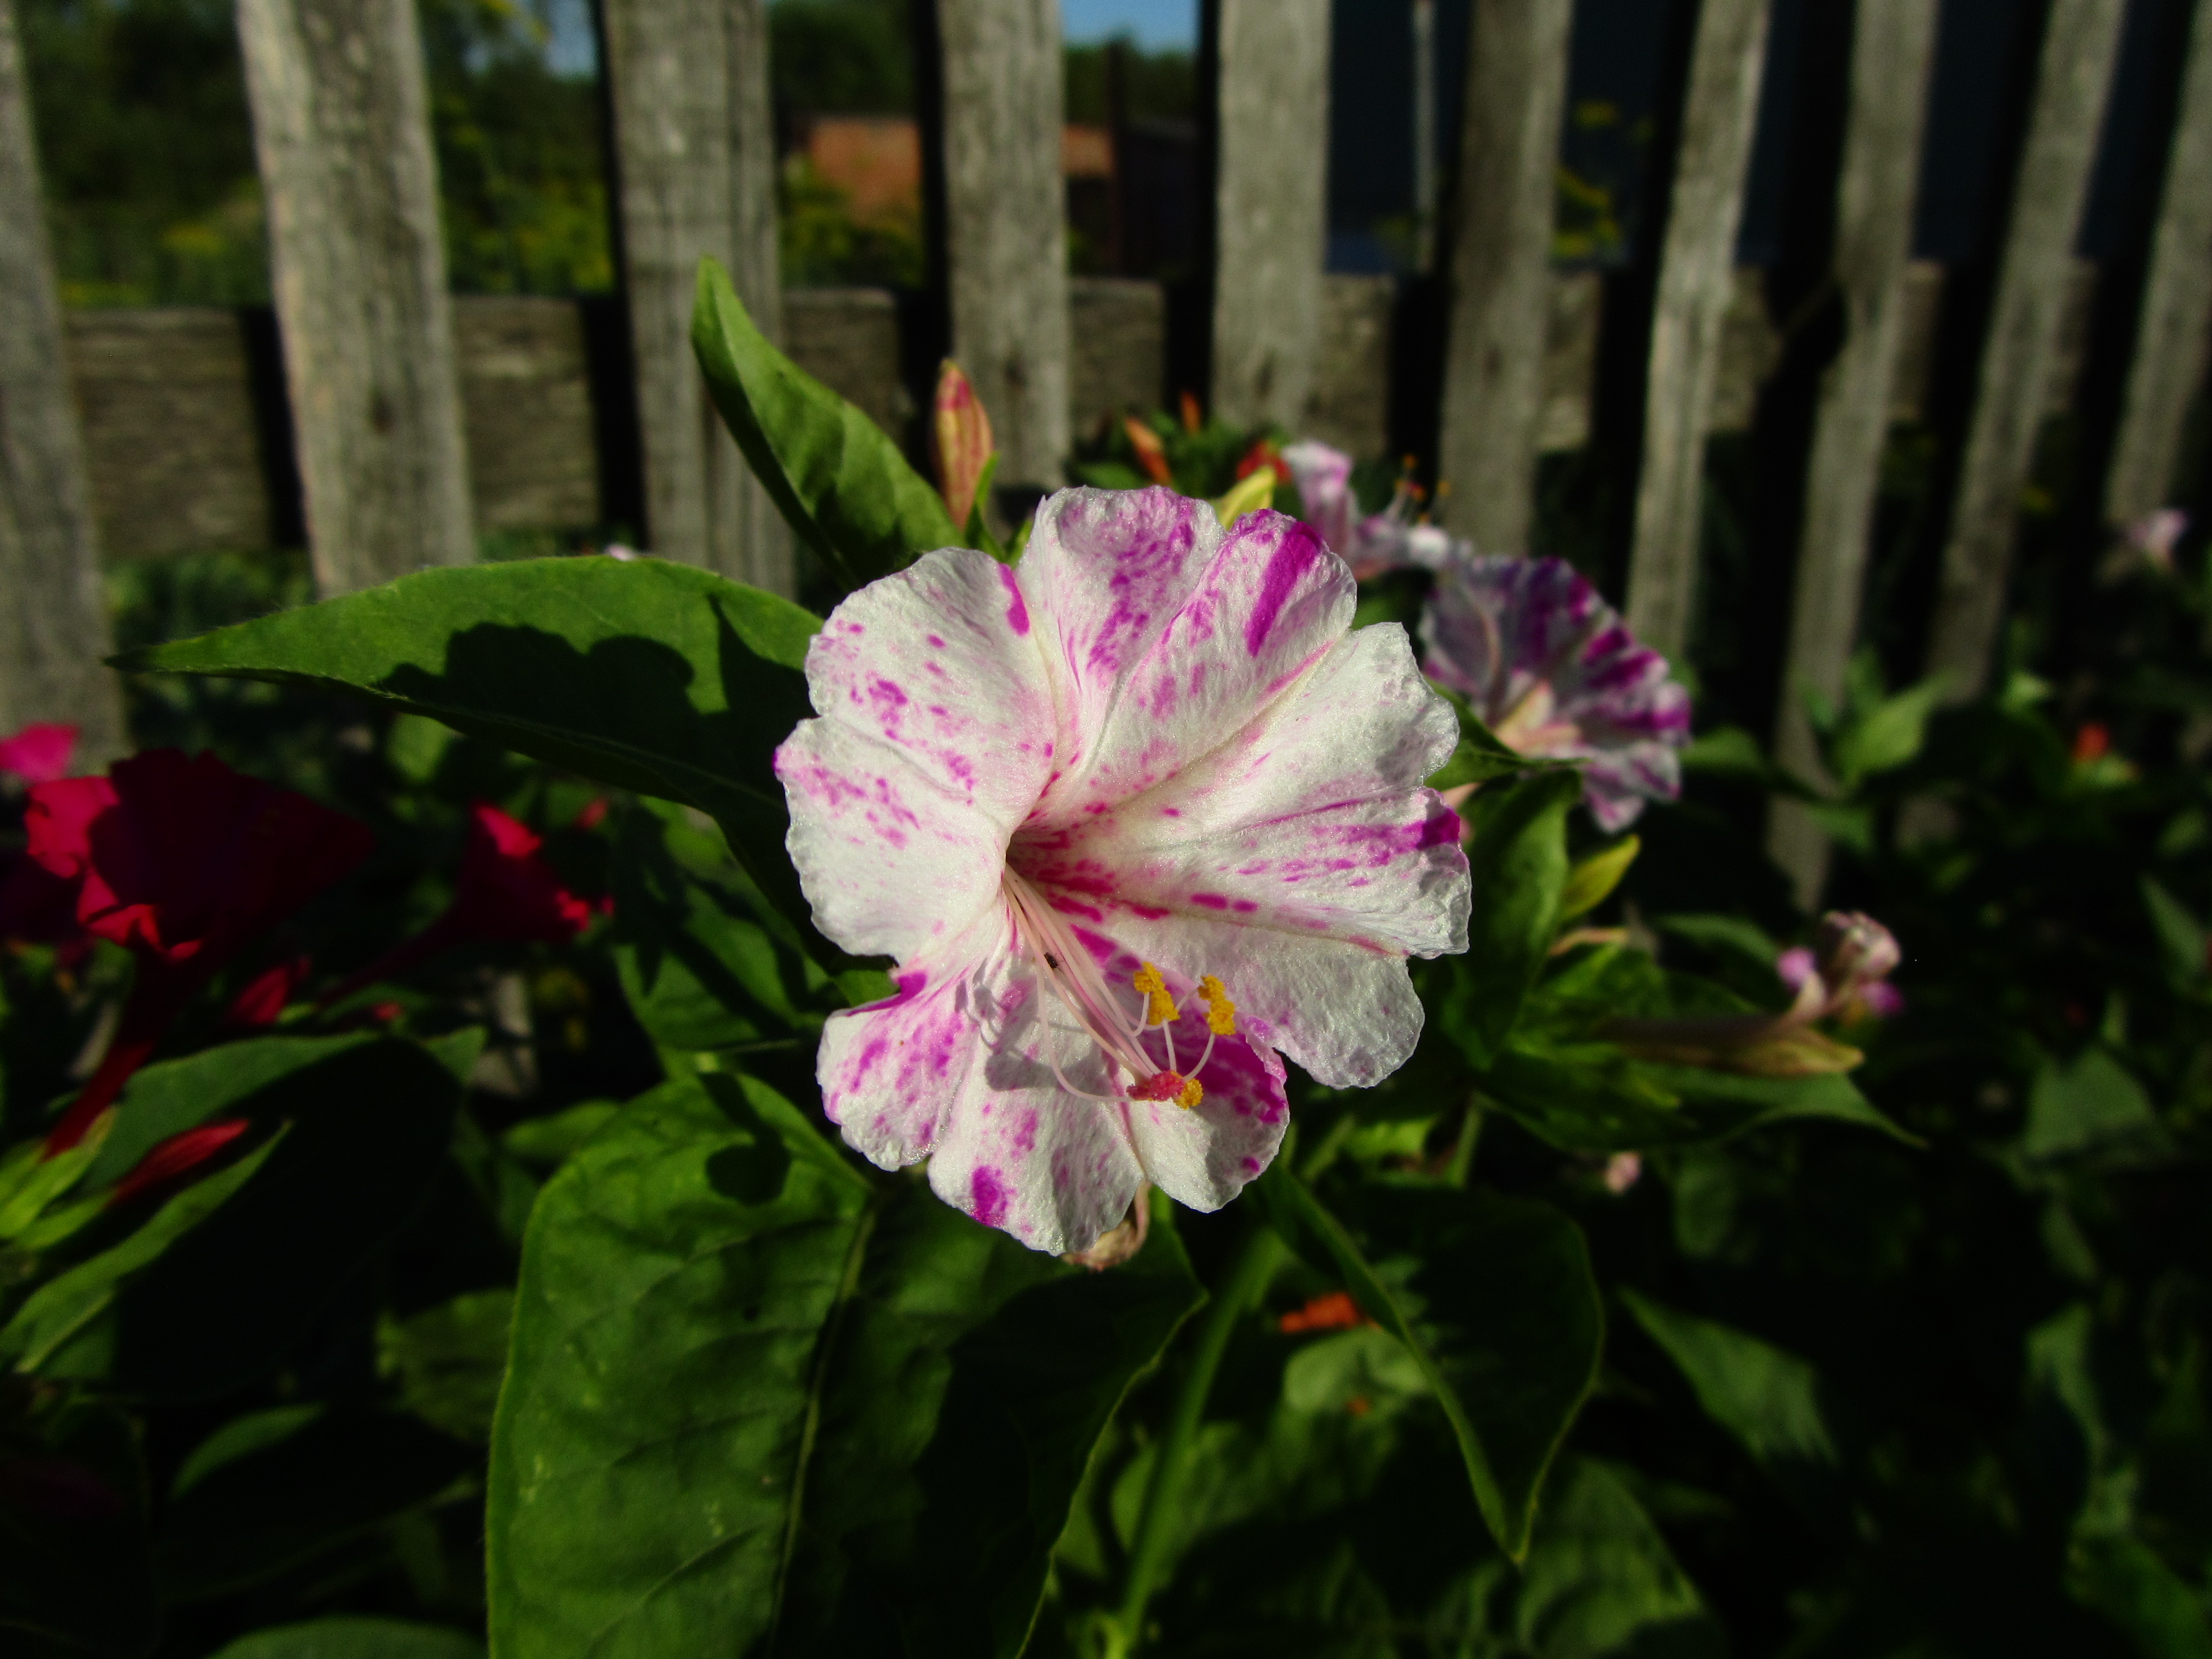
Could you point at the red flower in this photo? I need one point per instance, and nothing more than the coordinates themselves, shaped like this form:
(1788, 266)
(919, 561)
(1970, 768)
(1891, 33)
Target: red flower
(504, 895)
(262, 1002)
(175, 1156)
(38, 754)
(183, 860)
(595, 813)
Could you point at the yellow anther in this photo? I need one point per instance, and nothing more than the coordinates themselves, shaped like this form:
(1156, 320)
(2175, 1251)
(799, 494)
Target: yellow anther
(1159, 1006)
(1220, 1011)
(1193, 1092)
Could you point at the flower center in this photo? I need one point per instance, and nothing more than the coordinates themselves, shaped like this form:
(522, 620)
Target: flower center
(1062, 962)
(1529, 728)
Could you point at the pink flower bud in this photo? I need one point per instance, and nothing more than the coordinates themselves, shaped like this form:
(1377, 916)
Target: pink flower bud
(960, 441)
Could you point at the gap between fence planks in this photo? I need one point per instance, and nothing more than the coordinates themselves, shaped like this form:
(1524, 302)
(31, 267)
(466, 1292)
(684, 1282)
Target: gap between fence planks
(1893, 48)
(2176, 318)
(2072, 78)
(341, 125)
(1501, 253)
(55, 628)
(1005, 219)
(1271, 196)
(1705, 207)
(693, 149)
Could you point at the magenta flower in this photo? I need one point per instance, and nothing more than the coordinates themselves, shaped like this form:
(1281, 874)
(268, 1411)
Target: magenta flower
(1132, 819)
(1552, 670)
(1374, 543)
(38, 754)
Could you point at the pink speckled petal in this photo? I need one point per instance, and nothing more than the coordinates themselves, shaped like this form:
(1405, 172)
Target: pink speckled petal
(1202, 1156)
(1299, 861)
(1166, 634)
(958, 1069)
(935, 736)
(1323, 477)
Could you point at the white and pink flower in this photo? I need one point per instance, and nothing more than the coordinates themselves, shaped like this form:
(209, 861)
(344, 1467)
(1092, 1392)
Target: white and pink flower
(1553, 672)
(1134, 819)
(1371, 543)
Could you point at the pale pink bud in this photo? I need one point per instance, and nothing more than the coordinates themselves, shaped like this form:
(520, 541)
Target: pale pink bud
(960, 441)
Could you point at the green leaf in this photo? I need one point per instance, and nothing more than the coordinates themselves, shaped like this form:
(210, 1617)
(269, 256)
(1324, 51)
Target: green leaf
(2181, 935)
(1730, 751)
(276, 1488)
(1887, 736)
(348, 1637)
(369, 1127)
(1590, 881)
(1767, 1399)
(450, 1360)
(1600, 1579)
(176, 1095)
(1498, 1308)
(651, 676)
(843, 485)
(753, 1391)
(2127, 1583)
(1518, 861)
(699, 969)
(2091, 1106)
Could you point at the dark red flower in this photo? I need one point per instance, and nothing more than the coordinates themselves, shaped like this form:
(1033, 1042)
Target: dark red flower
(263, 1000)
(506, 894)
(176, 1156)
(38, 754)
(182, 860)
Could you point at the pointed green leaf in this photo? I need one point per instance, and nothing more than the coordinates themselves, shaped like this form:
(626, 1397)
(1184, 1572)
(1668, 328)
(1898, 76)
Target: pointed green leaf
(1518, 861)
(831, 471)
(755, 1398)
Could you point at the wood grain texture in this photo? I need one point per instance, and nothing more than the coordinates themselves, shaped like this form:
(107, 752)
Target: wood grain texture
(1271, 187)
(341, 126)
(694, 157)
(1501, 282)
(1696, 284)
(2012, 389)
(1006, 216)
(1118, 329)
(2176, 318)
(1893, 48)
(54, 629)
(527, 395)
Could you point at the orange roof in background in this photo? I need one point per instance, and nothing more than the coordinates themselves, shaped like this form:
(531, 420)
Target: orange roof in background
(876, 159)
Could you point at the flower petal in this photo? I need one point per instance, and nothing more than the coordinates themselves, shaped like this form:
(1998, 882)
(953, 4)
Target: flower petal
(1166, 634)
(959, 1068)
(934, 738)
(1299, 861)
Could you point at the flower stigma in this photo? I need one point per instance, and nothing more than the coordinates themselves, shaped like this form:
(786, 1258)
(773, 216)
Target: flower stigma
(1062, 962)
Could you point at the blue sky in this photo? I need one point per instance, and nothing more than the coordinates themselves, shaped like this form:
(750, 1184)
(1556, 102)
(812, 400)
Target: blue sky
(1153, 23)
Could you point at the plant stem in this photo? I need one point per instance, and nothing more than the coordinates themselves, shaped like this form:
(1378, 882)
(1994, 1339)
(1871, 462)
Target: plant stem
(1162, 1517)
(1462, 1157)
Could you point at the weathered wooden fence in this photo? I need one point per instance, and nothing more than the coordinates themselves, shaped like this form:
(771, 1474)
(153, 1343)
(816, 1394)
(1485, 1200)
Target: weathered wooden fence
(399, 419)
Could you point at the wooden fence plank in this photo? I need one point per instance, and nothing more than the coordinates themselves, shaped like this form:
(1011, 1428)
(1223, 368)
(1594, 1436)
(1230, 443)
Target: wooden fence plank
(1696, 261)
(1271, 189)
(694, 155)
(1005, 219)
(341, 125)
(1501, 284)
(2176, 318)
(2073, 77)
(54, 629)
(1893, 48)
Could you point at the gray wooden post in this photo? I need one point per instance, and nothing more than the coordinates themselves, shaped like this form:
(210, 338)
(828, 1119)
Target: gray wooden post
(1005, 225)
(695, 158)
(1697, 263)
(341, 124)
(1892, 46)
(2012, 391)
(2176, 318)
(54, 628)
(1271, 190)
(1493, 399)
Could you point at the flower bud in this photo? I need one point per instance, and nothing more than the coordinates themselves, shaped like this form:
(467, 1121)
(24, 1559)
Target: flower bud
(1852, 950)
(960, 441)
